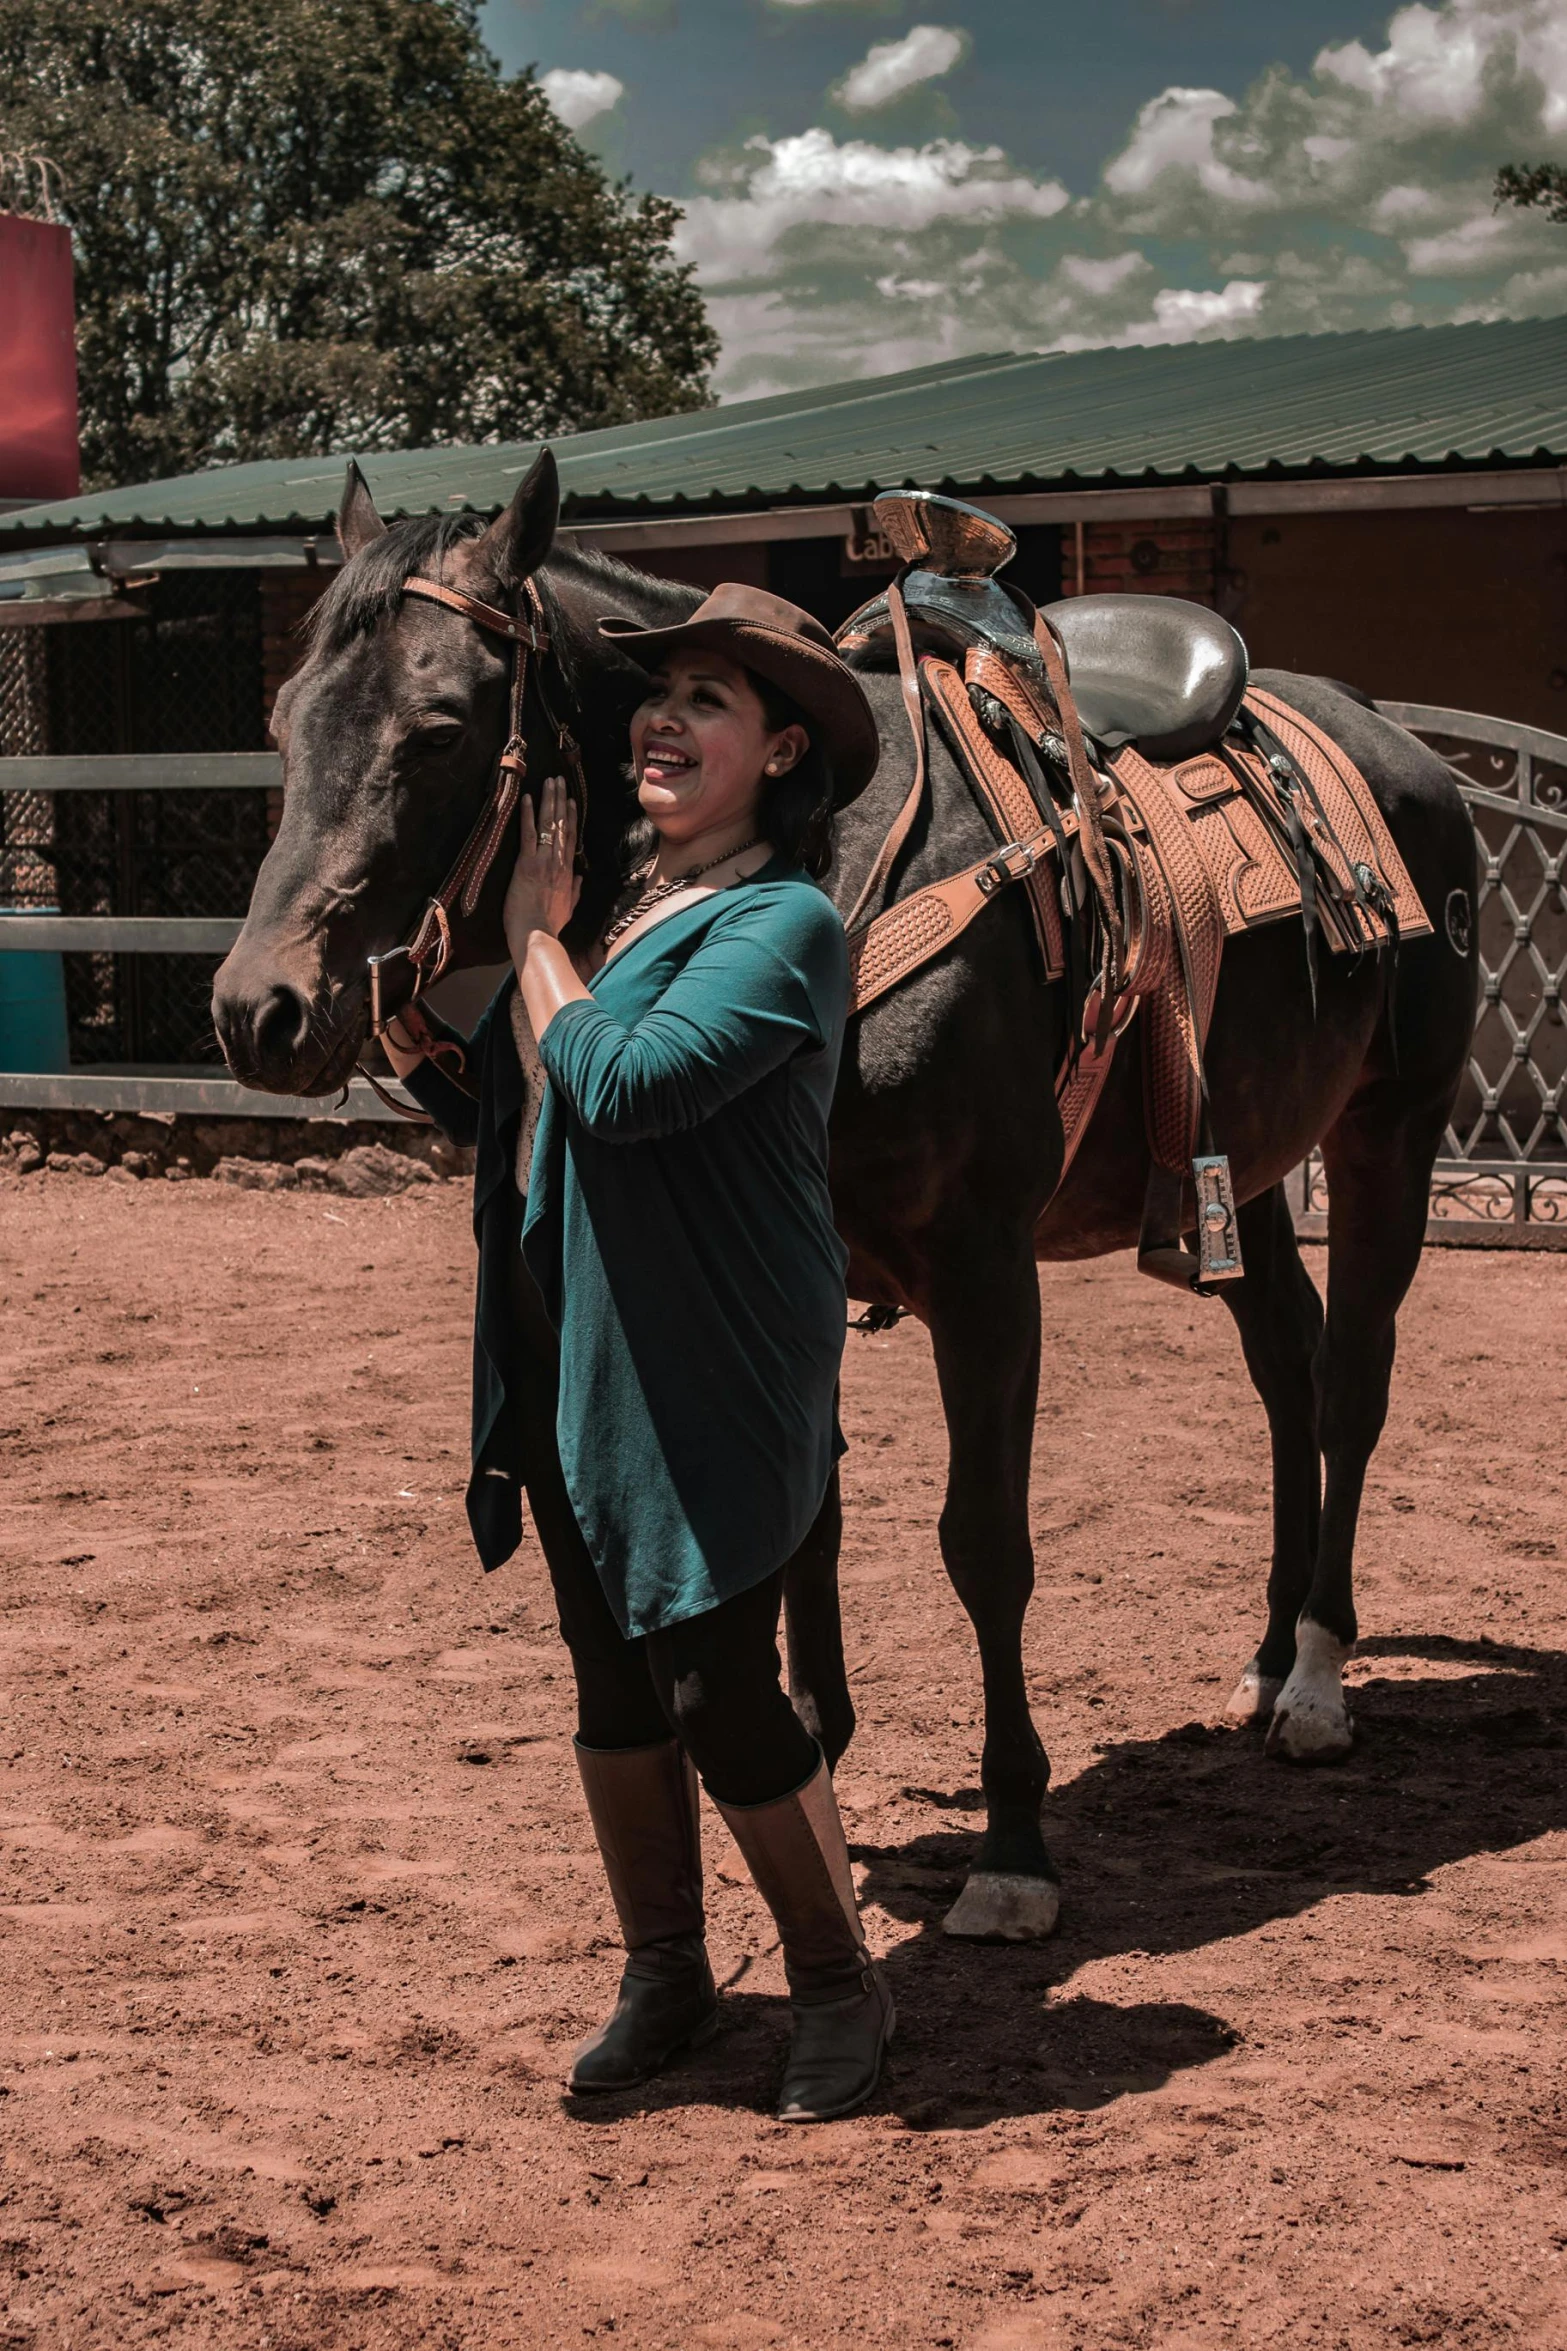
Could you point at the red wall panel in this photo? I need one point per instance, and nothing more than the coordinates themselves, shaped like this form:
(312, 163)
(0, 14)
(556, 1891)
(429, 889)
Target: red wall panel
(38, 445)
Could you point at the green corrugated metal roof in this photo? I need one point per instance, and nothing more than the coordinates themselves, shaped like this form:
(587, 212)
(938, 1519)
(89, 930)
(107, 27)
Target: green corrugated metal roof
(1397, 399)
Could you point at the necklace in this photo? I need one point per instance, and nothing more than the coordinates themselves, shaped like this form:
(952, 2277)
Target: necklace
(659, 891)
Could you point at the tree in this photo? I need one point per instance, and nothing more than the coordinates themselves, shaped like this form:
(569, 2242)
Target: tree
(1531, 185)
(304, 226)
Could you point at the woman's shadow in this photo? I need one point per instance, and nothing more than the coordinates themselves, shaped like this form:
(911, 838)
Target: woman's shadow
(1170, 1845)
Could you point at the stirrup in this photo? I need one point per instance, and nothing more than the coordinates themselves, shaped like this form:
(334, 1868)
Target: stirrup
(1160, 1251)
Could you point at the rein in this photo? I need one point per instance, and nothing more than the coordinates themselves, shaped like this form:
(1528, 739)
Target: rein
(427, 952)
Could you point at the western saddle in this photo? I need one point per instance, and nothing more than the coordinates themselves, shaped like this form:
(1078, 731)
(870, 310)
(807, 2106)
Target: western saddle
(1151, 803)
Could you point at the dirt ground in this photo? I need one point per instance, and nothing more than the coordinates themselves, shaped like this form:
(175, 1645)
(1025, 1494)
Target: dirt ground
(299, 1915)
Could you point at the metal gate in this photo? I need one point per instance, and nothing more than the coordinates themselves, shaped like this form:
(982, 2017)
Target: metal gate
(1502, 1176)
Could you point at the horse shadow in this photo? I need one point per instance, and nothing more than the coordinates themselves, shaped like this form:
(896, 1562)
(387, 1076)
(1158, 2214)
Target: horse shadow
(1169, 1845)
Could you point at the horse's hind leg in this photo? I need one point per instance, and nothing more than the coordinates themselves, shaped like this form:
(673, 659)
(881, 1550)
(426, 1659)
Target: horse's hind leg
(984, 1322)
(1378, 1160)
(1278, 1314)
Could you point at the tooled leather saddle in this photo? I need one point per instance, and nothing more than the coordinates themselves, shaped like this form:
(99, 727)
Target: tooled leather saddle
(1149, 800)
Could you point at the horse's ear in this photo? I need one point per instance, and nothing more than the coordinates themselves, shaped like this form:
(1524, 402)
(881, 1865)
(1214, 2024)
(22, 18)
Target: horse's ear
(357, 520)
(517, 542)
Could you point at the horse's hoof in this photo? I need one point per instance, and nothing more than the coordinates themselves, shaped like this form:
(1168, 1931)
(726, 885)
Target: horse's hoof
(1311, 1722)
(996, 1907)
(1254, 1696)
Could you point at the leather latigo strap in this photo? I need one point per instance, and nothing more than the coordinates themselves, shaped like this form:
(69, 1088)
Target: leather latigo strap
(903, 823)
(917, 928)
(1349, 828)
(1007, 799)
(908, 934)
(1091, 837)
(1176, 1018)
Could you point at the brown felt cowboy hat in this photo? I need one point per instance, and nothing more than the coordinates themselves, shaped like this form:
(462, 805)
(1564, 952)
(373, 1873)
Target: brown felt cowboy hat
(793, 652)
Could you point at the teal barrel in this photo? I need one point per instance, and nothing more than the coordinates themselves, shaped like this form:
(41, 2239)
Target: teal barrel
(33, 1032)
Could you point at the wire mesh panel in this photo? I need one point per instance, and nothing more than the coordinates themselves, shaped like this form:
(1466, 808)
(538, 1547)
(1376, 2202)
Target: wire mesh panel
(186, 677)
(29, 877)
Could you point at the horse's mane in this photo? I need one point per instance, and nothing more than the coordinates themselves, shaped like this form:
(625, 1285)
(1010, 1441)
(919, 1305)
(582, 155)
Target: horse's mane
(579, 588)
(369, 588)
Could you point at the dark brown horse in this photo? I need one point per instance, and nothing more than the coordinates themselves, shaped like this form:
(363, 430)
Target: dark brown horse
(946, 1142)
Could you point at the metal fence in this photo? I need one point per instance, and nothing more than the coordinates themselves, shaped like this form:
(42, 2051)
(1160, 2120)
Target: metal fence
(181, 679)
(1502, 1176)
(149, 856)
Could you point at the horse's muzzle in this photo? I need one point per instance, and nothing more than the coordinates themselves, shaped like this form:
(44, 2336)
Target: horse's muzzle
(272, 1038)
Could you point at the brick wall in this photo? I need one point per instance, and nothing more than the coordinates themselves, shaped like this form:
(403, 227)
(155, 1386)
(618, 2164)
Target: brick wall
(286, 597)
(1144, 558)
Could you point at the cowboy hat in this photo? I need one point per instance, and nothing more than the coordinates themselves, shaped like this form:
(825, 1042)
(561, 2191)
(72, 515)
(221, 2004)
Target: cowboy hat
(793, 652)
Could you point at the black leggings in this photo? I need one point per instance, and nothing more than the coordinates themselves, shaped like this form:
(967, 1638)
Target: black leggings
(713, 1680)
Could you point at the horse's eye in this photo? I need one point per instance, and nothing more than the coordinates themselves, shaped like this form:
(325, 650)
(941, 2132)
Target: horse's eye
(439, 734)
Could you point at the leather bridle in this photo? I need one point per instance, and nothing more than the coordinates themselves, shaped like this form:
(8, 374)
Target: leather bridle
(427, 952)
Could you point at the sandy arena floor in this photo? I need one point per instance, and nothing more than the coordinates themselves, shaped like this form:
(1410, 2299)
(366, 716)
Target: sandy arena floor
(299, 1915)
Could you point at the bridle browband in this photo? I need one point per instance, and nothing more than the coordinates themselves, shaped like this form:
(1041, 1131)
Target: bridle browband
(428, 951)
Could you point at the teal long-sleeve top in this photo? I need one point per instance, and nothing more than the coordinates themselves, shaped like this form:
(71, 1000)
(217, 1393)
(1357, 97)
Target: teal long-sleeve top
(679, 1227)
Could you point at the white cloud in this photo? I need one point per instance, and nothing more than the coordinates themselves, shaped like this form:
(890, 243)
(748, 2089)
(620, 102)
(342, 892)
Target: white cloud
(1533, 293)
(1452, 92)
(1457, 252)
(782, 185)
(1355, 194)
(1430, 69)
(579, 95)
(1101, 277)
(1400, 206)
(1174, 137)
(897, 289)
(891, 69)
(1447, 66)
(1184, 312)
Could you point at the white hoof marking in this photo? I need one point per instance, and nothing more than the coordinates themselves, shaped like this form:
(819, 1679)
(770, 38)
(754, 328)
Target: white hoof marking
(998, 1908)
(1254, 1696)
(1311, 1714)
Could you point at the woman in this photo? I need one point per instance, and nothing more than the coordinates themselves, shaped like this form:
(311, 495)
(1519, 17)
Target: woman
(679, 1233)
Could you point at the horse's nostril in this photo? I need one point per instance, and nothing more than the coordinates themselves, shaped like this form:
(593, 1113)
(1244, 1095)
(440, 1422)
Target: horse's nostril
(281, 1027)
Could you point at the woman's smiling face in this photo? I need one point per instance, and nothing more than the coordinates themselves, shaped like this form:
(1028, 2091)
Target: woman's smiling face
(702, 748)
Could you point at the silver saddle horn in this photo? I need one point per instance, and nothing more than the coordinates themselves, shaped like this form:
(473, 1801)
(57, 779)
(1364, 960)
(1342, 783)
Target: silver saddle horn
(952, 552)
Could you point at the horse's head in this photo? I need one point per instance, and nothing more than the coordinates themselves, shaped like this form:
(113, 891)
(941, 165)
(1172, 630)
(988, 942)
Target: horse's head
(389, 730)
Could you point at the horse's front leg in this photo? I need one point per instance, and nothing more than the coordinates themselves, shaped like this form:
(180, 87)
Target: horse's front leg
(984, 1323)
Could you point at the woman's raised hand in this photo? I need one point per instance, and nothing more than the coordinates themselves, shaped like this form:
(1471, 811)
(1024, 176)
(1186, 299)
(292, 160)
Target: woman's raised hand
(543, 890)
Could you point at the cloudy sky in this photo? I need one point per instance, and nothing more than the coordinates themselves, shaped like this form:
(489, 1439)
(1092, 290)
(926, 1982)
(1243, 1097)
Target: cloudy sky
(874, 184)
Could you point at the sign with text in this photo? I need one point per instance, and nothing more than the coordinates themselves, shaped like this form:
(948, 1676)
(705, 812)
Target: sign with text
(865, 548)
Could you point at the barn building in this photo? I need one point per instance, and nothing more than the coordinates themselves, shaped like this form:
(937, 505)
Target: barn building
(1389, 508)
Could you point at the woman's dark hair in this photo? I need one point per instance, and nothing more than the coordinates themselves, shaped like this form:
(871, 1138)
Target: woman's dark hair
(794, 810)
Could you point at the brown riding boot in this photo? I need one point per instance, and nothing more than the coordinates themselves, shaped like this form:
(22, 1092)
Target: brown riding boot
(842, 2010)
(643, 1801)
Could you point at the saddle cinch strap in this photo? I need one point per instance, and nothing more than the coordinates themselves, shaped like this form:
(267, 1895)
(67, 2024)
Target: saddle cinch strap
(426, 954)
